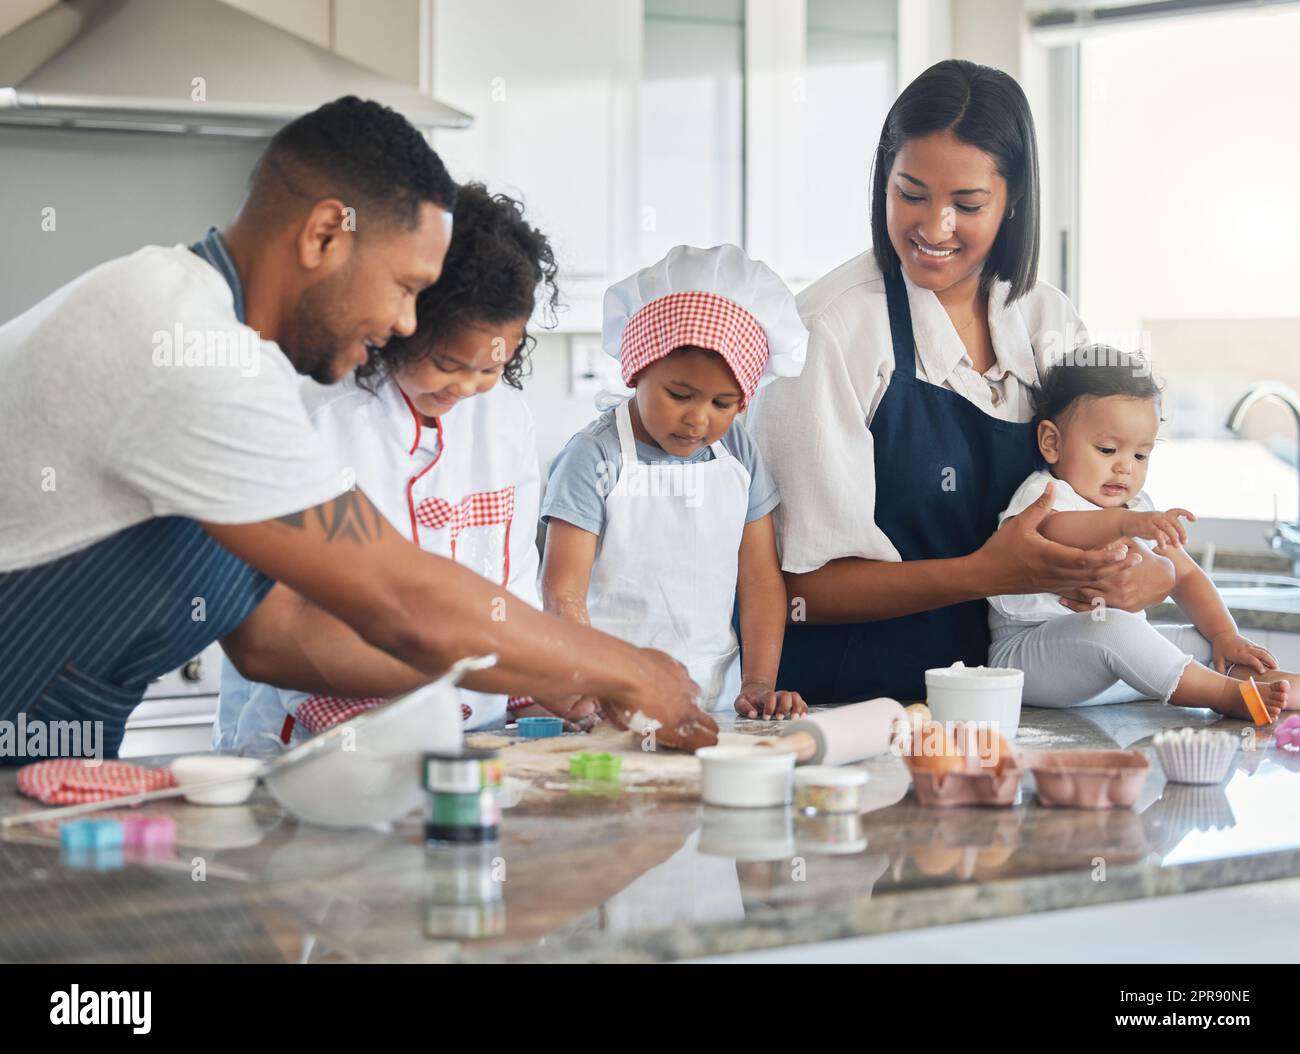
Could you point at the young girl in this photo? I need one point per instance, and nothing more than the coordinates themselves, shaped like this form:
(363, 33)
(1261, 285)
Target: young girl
(445, 451)
(659, 512)
(1096, 425)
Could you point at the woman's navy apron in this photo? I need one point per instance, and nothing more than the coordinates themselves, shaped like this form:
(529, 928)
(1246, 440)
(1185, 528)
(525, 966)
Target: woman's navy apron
(944, 470)
(85, 634)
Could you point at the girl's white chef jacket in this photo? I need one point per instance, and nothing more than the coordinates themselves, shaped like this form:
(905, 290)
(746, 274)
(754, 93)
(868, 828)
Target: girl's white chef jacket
(467, 488)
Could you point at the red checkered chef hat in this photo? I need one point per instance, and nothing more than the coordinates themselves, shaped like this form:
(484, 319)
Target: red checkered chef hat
(714, 298)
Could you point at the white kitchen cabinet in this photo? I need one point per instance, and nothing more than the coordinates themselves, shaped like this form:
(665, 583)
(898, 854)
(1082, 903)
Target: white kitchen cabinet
(691, 156)
(750, 121)
(553, 91)
(820, 77)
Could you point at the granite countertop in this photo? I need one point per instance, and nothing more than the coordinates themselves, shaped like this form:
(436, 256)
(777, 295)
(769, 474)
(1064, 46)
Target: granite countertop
(651, 875)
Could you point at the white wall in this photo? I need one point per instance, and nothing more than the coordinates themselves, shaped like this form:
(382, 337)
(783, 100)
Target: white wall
(988, 31)
(924, 37)
(112, 192)
(556, 412)
(996, 33)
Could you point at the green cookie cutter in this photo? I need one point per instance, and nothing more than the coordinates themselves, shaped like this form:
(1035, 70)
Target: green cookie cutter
(589, 766)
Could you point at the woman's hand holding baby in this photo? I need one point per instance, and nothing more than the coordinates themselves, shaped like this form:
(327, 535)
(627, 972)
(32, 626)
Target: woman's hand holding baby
(1135, 589)
(1164, 528)
(1020, 559)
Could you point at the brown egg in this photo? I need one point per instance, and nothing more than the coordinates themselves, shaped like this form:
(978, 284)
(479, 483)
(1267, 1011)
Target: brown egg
(997, 749)
(995, 856)
(936, 860)
(935, 750)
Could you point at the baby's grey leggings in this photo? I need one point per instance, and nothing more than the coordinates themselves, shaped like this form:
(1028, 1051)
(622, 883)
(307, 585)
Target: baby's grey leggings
(1074, 660)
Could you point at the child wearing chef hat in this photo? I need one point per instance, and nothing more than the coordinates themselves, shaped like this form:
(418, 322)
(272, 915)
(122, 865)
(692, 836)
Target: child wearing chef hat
(659, 512)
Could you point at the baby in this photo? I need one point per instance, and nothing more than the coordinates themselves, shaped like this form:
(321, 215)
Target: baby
(1096, 427)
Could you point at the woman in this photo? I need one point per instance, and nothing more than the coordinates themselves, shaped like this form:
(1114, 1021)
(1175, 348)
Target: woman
(443, 448)
(907, 431)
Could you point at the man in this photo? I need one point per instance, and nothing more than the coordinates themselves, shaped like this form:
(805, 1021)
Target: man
(163, 487)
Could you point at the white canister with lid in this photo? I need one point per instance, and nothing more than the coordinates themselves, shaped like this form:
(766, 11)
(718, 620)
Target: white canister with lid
(744, 777)
(989, 695)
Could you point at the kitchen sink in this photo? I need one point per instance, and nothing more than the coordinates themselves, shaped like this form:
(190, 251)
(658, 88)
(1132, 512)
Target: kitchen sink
(1266, 592)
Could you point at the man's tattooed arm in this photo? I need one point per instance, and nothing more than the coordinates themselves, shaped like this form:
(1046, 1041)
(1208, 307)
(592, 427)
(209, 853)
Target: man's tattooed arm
(349, 517)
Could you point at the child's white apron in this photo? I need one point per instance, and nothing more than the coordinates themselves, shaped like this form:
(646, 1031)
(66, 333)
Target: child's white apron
(665, 570)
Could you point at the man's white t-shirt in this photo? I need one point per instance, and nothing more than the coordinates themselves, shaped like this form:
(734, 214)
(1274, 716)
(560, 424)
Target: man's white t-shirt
(1039, 607)
(133, 392)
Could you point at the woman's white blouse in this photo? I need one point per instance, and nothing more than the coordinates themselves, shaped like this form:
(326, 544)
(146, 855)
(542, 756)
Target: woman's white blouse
(813, 430)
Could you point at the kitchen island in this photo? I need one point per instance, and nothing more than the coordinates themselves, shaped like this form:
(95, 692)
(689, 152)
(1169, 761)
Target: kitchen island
(647, 873)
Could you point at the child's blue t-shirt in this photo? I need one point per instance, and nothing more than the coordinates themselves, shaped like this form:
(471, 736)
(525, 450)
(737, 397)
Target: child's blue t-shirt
(584, 472)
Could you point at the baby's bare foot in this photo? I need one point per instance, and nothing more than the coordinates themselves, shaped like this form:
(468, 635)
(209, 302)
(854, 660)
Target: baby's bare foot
(1293, 692)
(1276, 696)
(1272, 693)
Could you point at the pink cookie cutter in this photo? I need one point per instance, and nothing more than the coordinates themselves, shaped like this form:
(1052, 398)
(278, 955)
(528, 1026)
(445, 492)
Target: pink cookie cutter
(149, 833)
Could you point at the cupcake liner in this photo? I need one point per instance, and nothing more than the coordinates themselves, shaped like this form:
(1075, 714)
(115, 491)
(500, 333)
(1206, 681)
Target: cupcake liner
(1200, 756)
(1181, 809)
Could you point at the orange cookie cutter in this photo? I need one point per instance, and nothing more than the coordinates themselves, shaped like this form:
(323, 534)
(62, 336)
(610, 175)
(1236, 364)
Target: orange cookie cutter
(1254, 701)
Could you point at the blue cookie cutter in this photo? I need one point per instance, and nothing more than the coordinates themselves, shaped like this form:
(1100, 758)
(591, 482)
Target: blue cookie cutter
(540, 727)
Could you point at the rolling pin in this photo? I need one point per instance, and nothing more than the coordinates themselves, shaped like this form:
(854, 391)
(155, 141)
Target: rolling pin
(849, 733)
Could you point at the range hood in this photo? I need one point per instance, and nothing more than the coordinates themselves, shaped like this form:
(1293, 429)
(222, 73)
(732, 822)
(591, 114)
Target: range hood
(132, 64)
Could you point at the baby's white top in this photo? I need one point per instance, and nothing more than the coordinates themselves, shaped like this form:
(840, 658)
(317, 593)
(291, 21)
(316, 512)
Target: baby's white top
(1039, 607)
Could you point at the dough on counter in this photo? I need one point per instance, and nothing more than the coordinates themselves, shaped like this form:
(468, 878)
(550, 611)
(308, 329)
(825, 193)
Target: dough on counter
(530, 758)
(489, 741)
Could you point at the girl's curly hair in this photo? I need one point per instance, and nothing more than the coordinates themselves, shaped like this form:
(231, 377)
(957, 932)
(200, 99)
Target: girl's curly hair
(495, 265)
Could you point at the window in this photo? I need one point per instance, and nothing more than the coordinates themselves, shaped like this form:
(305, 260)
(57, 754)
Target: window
(696, 151)
(850, 81)
(692, 125)
(1187, 239)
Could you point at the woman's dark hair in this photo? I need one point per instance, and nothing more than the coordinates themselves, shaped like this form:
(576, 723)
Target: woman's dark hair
(986, 108)
(494, 266)
(1096, 370)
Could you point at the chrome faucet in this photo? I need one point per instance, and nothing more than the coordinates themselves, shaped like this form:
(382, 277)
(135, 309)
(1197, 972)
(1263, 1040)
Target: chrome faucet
(1285, 537)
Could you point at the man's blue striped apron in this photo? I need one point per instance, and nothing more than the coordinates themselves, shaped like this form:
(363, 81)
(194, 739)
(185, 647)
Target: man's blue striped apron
(82, 636)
